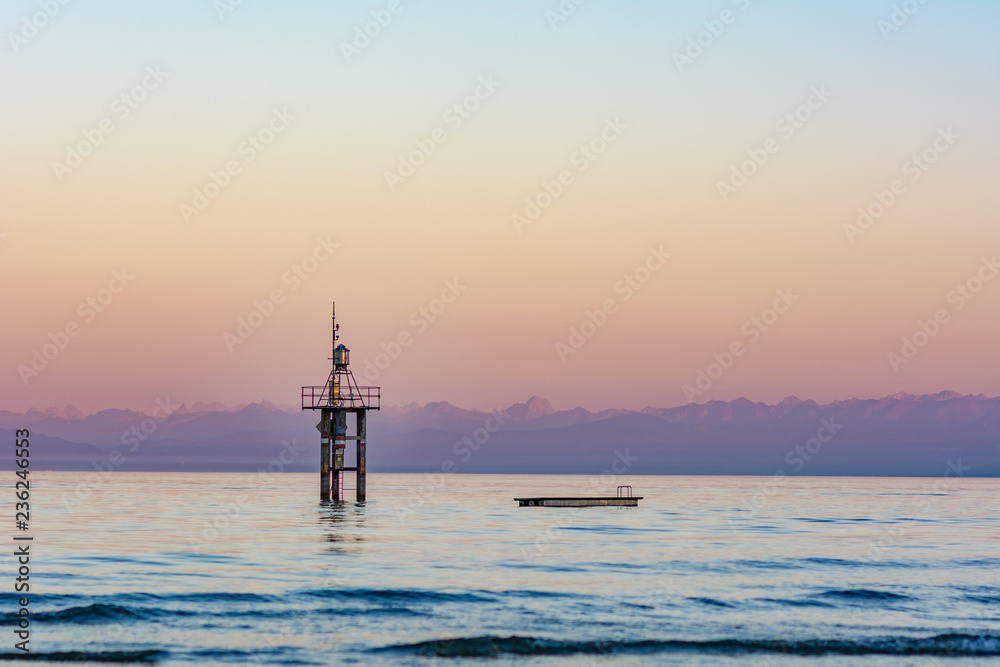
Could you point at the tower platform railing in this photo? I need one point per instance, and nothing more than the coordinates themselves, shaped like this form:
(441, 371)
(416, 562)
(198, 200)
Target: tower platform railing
(317, 398)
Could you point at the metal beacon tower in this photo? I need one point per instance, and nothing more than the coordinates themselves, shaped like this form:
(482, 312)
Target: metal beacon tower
(335, 399)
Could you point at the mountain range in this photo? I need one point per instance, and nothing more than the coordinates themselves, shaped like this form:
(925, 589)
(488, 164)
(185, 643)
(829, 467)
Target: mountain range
(903, 434)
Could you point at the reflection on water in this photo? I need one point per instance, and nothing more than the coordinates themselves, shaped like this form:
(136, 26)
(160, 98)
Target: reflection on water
(343, 522)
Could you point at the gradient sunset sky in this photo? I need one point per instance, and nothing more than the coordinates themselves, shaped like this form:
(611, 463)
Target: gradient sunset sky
(675, 129)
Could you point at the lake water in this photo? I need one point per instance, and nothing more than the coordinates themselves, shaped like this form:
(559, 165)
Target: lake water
(229, 568)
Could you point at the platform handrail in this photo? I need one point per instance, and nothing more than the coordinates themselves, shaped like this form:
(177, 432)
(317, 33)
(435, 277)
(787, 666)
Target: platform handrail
(621, 491)
(317, 397)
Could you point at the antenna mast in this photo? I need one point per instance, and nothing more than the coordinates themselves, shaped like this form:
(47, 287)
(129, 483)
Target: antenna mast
(336, 336)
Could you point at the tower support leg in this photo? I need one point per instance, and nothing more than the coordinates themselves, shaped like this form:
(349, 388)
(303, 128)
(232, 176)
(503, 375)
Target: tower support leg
(362, 473)
(324, 457)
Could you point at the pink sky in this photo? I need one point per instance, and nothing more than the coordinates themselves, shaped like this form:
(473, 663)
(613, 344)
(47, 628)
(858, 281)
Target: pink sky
(622, 153)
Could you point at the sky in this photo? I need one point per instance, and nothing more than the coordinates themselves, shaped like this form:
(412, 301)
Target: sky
(607, 204)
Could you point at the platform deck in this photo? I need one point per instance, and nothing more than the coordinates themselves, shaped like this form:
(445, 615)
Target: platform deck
(609, 501)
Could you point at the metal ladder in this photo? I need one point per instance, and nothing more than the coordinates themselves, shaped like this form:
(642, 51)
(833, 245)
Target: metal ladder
(343, 488)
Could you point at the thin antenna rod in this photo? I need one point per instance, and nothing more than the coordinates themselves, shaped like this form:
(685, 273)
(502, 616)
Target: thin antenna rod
(333, 347)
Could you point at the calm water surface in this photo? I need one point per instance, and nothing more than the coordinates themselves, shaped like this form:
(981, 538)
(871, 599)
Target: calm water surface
(224, 569)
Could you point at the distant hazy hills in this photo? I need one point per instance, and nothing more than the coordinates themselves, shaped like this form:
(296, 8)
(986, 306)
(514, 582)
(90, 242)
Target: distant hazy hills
(897, 435)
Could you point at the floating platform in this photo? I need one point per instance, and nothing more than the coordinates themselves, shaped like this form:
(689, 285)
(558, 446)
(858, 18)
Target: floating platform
(611, 501)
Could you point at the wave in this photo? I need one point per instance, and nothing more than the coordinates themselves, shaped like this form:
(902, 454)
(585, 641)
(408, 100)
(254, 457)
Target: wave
(865, 594)
(767, 564)
(99, 613)
(984, 599)
(374, 611)
(540, 594)
(218, 596)
(275, 655)
(86, 656)
(96, 613)
(711, 602)
(404, 594)
(797, 603)
(839, 562)
(139, 607)
(955, 645)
